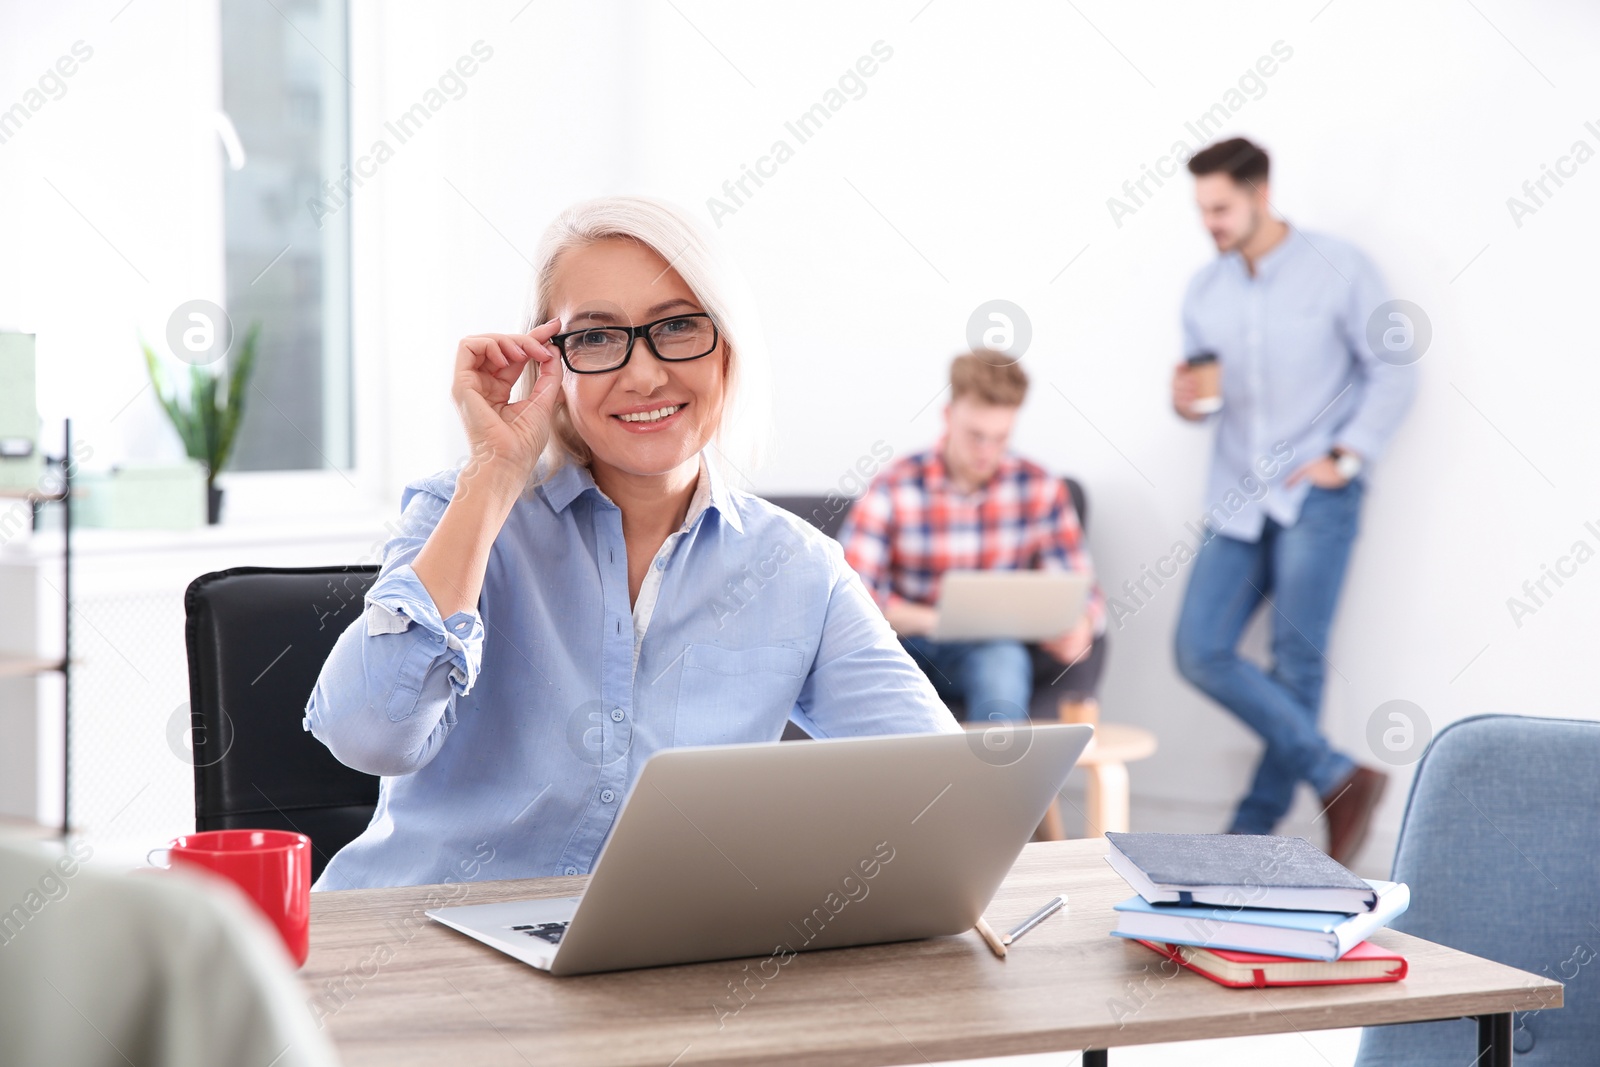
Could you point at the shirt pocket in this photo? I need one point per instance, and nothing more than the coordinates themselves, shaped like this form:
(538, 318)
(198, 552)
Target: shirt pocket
(728, 695)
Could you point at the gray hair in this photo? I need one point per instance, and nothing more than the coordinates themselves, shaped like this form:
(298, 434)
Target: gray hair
(742, 435)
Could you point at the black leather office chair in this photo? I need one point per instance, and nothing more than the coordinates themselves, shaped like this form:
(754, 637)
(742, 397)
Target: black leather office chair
(827, 513)
(257, 638)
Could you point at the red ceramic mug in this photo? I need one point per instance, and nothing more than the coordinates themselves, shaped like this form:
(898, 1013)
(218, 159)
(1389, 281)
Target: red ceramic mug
(273, 867)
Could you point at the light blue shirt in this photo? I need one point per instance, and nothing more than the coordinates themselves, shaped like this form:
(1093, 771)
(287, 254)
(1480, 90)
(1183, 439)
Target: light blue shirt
(508, 737)
(1297, 372)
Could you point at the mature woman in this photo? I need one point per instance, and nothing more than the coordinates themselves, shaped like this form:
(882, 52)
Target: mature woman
(589, 589)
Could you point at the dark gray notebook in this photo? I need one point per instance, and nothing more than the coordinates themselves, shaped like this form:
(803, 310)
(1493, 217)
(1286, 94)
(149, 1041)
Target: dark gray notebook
(1254, 870)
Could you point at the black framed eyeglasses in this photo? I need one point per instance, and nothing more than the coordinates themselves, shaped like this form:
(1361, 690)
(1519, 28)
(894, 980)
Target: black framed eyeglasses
(676, 339)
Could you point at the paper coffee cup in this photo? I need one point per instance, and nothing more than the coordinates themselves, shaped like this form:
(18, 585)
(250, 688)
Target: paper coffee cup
(1207, 374)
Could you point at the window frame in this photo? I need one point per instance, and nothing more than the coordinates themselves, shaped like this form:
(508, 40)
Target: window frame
(272, 496)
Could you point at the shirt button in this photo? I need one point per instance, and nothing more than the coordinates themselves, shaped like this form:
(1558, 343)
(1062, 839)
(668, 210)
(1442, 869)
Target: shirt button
(661, 564)
(571, 870)
(607, 795)
(616, 714)
(460, 626)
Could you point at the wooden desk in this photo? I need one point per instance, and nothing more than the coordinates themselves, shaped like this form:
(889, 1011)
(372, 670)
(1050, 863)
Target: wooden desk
(394, 989)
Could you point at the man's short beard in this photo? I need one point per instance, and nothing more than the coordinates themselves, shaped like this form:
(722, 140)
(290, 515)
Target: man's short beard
(1251, 230)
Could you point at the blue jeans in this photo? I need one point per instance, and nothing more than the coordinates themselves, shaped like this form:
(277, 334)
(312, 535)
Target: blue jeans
(993, 678)
(1298, 570)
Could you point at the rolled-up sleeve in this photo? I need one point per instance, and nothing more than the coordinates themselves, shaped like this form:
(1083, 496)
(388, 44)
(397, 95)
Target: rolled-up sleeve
(863, 682)
(385, 699)
(398, 600)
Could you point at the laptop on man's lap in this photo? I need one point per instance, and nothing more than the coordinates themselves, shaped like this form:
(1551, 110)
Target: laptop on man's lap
(1026, 605)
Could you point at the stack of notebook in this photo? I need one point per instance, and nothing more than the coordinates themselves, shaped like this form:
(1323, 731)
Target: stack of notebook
(1257, 911)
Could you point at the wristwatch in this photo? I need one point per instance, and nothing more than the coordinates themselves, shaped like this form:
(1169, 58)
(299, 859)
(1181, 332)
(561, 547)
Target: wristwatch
(1348, 464)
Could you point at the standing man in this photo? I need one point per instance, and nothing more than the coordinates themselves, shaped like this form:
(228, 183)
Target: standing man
(968, 504)
(1285, 313)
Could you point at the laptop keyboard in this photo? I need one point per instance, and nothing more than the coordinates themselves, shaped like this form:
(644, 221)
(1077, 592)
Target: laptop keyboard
(550, 932)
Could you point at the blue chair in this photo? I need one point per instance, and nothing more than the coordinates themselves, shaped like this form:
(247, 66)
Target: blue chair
(1501, 848)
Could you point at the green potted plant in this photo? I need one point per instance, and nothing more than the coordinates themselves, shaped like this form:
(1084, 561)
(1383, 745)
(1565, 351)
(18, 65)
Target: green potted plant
(207, 418)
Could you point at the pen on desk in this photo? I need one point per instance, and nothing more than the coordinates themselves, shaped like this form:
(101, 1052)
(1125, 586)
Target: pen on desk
(1055, 905)
(986, 932)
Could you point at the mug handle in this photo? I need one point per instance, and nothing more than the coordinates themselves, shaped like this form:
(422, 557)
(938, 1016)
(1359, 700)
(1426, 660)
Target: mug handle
(148, 857)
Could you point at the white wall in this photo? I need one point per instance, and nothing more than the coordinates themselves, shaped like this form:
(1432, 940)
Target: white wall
(991, 141)
(976, 166)
(112, 204)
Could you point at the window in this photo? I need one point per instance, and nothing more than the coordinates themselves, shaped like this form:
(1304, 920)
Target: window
(286, 232)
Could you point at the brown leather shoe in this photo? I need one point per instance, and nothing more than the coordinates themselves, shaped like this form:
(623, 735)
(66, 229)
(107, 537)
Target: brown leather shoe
(1349, 810)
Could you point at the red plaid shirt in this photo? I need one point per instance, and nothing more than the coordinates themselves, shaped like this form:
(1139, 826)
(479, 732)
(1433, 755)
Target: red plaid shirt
(913, 524)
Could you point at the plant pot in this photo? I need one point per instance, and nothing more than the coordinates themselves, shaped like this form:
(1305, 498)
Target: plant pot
(213, 504)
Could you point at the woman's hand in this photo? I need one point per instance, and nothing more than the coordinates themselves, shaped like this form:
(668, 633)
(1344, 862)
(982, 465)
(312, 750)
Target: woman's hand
(506, 438)
(506, 441)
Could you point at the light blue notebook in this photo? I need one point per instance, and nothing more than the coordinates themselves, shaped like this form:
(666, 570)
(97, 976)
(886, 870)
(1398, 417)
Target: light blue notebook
(1310, 935)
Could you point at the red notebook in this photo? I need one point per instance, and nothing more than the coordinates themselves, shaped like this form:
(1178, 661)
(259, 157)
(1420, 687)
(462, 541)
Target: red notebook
(1248, 970)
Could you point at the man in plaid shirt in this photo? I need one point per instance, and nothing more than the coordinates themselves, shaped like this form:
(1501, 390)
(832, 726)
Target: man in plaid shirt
(967, 504)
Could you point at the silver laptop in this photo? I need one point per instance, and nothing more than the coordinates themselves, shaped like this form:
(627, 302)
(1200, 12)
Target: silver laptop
(767, 849)
(1017, 605)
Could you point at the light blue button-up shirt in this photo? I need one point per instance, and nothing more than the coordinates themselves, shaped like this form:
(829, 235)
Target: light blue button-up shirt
(508, 737)
(1297, 372)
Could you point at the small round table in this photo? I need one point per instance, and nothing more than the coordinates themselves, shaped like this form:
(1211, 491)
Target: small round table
(1105, 761)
